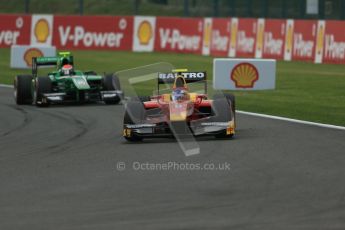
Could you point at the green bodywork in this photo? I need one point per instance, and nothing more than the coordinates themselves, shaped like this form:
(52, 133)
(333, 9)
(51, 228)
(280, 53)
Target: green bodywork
(71, 85)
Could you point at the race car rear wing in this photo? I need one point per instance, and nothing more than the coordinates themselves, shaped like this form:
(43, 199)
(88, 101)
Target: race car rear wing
(62, 59)
(190, 77)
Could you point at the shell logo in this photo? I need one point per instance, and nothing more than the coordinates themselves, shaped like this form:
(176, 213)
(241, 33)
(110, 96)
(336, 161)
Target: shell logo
(207, 35)
(244, 75)
(42, 30)
(145, 32)
(30, 53)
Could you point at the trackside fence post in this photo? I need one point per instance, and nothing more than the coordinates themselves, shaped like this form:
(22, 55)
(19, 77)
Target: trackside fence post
(81, 7)
(186, 8)
(27, 4)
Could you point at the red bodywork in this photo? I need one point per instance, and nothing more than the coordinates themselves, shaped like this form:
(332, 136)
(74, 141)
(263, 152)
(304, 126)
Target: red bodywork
(185, 110)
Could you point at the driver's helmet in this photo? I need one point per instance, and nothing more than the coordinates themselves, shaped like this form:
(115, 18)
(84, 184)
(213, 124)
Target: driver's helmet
(179, 94)
(67, 70)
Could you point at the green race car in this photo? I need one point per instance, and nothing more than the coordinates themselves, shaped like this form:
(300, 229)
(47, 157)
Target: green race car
(65, 84)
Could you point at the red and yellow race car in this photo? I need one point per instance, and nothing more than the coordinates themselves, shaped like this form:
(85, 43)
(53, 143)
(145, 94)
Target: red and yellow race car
(181, 111)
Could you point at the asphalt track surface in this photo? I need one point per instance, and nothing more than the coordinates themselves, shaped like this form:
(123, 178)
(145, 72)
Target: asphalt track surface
(58, 171)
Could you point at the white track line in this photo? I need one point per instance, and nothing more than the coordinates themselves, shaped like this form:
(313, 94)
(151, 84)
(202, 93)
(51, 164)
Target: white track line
(6, 86)
(292, 120)
(266, 116)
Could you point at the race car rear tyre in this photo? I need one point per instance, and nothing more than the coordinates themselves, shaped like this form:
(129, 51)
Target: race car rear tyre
(135, 114)
(144, 98)
(141, 98)
(223, 112)
(111, 82)
(90, 73)
(42, 85)
(22, 89)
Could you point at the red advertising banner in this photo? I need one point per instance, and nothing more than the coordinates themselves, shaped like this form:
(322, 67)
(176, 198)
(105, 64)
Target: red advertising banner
(220, 37)
(274, 39)
(304, 38)
(93, 32)
(14, 30)
(182, 35)
(246, 37)
(334, 42)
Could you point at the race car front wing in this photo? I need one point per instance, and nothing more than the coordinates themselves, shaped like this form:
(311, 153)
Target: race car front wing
(88, 96)
(168, 130)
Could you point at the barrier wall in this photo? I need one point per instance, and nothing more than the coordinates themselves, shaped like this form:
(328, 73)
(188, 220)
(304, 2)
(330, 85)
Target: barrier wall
(304, 40)
(93, 32)
(14, 29)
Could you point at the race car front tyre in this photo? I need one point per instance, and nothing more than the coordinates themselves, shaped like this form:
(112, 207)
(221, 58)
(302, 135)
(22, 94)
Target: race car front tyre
(221, 109)
(42, 85)
(230, 99)
(111, 82)
(135, 114)
(22, 89)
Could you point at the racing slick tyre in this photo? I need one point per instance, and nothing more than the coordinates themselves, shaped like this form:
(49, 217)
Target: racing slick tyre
(22, 89)
(144, 98)
(42, 85)
(135, 113)
(230, 99)
(223, 112)
(141, 98)
(111, 82)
